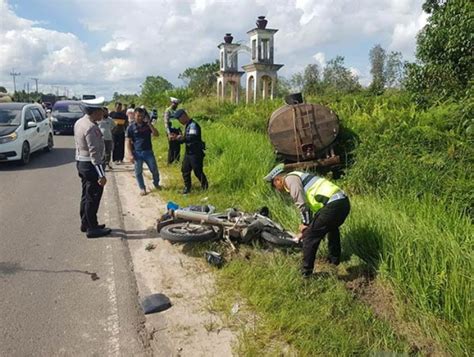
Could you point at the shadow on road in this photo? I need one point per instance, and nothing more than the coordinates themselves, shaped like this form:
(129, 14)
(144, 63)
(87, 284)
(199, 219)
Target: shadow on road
(42, 160)
(133, 234)
(11, 268)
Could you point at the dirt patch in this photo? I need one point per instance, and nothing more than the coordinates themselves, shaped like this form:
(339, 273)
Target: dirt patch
(189, 327)
(385, 305)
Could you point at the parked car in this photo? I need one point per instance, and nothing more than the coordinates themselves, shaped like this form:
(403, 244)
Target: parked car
(64, 115)
(24, 128)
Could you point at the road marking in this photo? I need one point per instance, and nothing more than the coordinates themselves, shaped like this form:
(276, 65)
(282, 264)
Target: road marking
(113, 319)
(113, 326)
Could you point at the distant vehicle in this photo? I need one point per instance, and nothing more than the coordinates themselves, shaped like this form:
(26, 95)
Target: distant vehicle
(64, 115)
(24, 129)
(88, 96)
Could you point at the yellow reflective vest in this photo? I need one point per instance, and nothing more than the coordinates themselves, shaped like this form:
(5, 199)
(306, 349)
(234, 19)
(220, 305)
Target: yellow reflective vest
(317, 189)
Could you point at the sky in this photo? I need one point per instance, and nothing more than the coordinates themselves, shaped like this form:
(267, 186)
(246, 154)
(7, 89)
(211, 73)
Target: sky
(106, 46)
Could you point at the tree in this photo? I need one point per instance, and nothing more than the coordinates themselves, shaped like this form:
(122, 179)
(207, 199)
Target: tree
(377, 63)
(201, 80)
(311, 79)
(3, 89)
(297, 82)
(308, 81)
(394, 70)
(444, 52)
(338, 78)
(153, 88)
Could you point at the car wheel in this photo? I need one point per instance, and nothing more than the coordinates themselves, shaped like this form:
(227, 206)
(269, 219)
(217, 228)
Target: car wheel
(25, 153)
(50, 145)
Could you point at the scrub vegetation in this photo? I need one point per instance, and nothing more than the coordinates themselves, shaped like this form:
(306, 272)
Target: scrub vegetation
(410, 176)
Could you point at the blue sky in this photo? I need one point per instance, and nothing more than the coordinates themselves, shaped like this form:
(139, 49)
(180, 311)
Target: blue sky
(103, 46)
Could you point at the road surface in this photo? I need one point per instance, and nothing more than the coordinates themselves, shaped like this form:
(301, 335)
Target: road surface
(61, 293)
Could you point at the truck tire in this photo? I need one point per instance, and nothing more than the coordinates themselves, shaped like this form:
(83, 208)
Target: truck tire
(188, 232)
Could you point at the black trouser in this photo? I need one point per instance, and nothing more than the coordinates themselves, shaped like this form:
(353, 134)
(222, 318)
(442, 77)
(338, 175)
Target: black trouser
(326, 221)
(194, 163)
(174, 148)
(119, 147)
(91, 194)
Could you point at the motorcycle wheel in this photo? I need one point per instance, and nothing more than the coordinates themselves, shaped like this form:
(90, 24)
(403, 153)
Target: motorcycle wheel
(277, 237)
(186, 232)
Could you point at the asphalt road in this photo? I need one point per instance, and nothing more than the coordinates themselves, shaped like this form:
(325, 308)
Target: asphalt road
(61, 293)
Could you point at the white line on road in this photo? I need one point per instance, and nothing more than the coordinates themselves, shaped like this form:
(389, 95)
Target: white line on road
(113, 325)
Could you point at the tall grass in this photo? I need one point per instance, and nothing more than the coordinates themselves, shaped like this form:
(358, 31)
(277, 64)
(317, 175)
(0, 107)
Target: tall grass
(411, 177)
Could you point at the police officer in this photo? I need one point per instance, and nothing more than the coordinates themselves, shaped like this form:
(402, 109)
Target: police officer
(194, 153)
(90, 166)
(323, 206)
(172, 130)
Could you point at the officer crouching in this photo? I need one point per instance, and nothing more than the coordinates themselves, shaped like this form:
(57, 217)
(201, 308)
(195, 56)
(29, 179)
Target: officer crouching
(90, 166)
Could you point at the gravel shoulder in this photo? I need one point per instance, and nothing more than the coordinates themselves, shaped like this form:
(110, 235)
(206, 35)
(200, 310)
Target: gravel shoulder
(189, 327)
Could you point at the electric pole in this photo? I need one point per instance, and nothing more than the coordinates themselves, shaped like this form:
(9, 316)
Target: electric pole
(14, 74)
(36, 81)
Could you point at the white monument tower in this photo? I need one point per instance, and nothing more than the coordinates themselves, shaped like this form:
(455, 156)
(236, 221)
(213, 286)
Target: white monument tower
(228, 75)
(262, 72)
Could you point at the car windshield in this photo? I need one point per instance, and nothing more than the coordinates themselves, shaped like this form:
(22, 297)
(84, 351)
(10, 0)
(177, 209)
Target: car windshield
(10, 116)
(67, 108)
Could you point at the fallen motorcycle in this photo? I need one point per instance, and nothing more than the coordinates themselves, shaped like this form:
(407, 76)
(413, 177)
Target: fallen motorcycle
(185, 226)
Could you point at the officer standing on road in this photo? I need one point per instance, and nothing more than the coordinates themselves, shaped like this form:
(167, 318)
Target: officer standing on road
(172, 130)
(194, 153)
(90, 166)
(323, 206)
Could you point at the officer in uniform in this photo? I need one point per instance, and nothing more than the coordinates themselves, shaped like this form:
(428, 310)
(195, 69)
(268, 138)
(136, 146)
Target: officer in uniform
(172, 130)
(323, 207)
(90, 166)
(194, 153)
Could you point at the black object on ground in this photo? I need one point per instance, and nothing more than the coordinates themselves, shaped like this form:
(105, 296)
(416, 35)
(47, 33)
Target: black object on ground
(155, 303)
(295, 98)
(214, 258)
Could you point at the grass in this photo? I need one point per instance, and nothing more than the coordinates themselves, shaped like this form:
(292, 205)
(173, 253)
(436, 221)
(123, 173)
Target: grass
(411, 184)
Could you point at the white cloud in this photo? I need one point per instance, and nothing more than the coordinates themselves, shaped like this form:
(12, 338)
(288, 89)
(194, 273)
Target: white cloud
(164, 37)
(320, 58)
(404, 35)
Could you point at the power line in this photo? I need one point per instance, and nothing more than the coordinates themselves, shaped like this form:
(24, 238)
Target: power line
(14, 74)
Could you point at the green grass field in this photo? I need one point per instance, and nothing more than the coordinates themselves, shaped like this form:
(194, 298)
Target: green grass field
(405, 284)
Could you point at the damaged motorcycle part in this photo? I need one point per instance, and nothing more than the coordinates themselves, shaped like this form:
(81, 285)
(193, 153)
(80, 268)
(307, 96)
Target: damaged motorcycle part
(279, 238)
(189, 232)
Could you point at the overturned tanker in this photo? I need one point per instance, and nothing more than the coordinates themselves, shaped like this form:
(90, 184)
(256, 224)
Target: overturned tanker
(304, 133)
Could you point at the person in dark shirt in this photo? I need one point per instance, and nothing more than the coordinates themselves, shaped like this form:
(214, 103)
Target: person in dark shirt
(121, 122)
(194, 153)
(140, 149)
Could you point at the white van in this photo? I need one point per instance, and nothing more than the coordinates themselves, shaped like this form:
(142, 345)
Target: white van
(24, 128)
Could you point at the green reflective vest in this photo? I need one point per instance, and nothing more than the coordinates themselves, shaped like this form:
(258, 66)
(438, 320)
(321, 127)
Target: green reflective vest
(317, 189)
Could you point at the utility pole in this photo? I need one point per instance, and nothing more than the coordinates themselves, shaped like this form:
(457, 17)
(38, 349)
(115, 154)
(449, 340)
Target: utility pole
(36, 81)
(14, 74)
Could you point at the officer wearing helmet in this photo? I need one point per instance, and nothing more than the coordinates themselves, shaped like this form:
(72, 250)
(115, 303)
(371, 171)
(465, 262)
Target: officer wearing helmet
(90, 166)
(323, 207)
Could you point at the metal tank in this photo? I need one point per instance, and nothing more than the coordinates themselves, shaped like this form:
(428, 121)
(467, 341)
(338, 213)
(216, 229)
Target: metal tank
(304, 132)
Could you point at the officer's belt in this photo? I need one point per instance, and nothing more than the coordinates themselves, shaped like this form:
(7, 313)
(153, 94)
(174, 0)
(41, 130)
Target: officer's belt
(83, 158)
(337, 196)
